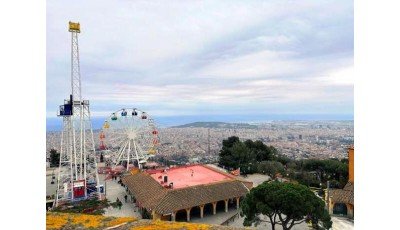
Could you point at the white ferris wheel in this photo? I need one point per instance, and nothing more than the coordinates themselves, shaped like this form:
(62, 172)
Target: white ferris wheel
(130, 136)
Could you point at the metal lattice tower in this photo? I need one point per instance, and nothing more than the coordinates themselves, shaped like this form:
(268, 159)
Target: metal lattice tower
(77, 177)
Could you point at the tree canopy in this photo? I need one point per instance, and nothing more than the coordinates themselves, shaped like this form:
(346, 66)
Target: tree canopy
(271, 168)
(285, 204)
(331, 169)
(247, 154)
(257, 157)
(54, 158)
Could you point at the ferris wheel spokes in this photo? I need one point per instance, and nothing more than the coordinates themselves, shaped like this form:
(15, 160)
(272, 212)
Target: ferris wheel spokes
(130, 135)
(120, 153)
(136, 152)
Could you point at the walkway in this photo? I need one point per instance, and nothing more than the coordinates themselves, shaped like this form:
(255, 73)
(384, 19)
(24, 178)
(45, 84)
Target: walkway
(256, 178)
(219, 218)
(342, 223)
(238, 222)
(114, 190)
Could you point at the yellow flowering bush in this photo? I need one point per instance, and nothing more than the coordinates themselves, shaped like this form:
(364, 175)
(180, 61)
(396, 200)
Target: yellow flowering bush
(166, 225)
(87, 220)
(56, 221)
(120, 220)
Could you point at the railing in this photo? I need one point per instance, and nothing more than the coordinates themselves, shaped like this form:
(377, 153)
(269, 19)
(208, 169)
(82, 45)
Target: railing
(232, 218)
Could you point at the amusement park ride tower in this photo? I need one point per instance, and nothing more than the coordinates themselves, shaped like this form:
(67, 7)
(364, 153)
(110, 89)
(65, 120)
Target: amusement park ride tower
(77, 178)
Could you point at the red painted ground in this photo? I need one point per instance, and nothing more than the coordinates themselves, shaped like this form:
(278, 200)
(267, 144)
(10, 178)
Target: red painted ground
(182, 176)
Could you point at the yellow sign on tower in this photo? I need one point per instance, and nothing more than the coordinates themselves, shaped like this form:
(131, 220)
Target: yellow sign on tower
(74, 27)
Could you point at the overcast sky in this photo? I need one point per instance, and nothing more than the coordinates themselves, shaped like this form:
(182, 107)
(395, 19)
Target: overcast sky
(213, 57)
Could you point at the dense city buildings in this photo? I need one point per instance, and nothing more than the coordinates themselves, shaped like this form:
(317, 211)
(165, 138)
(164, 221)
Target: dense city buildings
(295, 139)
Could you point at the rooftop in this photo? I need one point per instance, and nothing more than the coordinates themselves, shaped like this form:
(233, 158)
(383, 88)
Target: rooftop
(151, 195)
(191, 175)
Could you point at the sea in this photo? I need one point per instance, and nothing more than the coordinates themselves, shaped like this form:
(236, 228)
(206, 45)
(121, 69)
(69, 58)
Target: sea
(55, 123)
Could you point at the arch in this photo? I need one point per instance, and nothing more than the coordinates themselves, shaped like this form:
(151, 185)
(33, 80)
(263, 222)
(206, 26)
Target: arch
(231, 203)
(340, 209)
(195, 212)
(221, 206)
(208, 209)
(180, 216)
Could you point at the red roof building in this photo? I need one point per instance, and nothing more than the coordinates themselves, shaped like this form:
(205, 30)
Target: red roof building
(185, 190)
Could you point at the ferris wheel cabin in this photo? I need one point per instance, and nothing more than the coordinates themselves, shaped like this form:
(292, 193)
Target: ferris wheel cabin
(124, 113)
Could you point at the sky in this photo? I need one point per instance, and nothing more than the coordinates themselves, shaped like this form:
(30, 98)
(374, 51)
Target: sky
(217, 58)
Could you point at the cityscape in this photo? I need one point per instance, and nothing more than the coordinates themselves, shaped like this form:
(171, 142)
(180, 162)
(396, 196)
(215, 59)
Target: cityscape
(295, 139)
(201, 143)
(167, 124)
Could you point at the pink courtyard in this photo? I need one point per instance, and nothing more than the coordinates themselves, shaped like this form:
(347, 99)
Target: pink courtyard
(191, 175)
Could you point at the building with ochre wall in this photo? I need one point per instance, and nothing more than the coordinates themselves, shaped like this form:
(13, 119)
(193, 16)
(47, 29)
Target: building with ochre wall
(351, 164)
(341, 201)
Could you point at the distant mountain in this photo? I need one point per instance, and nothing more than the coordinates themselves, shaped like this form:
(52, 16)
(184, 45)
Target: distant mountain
(217, 125)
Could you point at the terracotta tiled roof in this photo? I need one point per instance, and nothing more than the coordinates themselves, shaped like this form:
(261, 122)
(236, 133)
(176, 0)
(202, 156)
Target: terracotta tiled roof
(145, 189)
(178, 199)
(345, 195)
(349, 187)
(153, 196)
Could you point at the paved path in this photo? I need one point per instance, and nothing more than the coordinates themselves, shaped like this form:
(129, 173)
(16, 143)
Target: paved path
(219, 218)
(238, 222)
(342, 223)
(51, 188)
(114, 190)
(256, 178)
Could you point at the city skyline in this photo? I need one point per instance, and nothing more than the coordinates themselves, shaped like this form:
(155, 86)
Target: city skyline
(188, 59)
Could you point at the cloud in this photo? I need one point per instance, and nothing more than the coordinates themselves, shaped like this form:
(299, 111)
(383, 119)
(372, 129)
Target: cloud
(285, 56)
(340, 77)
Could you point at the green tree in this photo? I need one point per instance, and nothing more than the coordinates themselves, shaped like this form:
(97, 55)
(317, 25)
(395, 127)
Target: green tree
(292, 165)
(281, 158)
(54, 158)
(345, 160)
(260, 151)
(285, 204)
(247, 154)
(327, 169)
(306, 178)
(225, 154)
(241, 156)
(271, 168)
